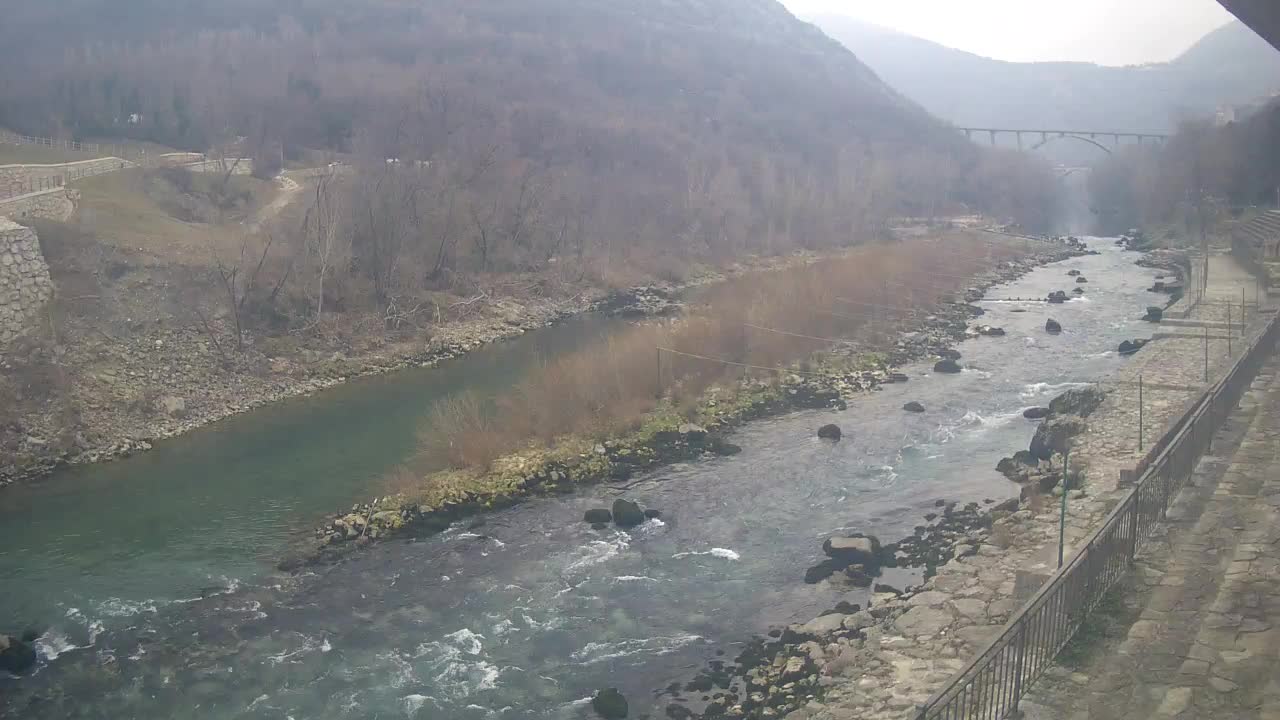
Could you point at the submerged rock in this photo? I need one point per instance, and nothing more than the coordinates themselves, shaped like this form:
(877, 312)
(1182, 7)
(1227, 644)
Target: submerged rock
(991, 331)
(830, 432)
(913, 407)
(1073, 273)
(1052, 326)
(1078, 291)
(720, 446)
(1154, 314)
(858, 550)
(1130, 347)
(947, 366)
(599, 515)
(626, 513)
(1082, 279)
(16, 656)
(610, 704)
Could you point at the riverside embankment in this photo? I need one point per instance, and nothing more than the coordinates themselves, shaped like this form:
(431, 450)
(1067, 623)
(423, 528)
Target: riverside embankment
(525, 613)
(882, 662)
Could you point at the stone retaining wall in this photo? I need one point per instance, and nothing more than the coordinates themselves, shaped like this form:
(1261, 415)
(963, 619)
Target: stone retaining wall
(23, 179)
(55, 204)
(237, 166)
(25, 285)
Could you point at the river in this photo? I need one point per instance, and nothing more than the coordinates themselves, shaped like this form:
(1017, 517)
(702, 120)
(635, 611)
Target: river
(523, 613)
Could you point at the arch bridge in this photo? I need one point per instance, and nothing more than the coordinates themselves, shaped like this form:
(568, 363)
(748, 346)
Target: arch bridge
(1040, 138)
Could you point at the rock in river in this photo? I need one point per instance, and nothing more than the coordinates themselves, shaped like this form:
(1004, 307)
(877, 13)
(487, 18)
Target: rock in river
(830, 432)
(16, 656)
(1073, 273)
(1052, 326)
(1054, 436)
(947, 366)
(1077, 401)
(626, 513)
(1154, 314)
(859, 550)
(599, 515)
(610, 704)
(1036, 413)
(913, 407)
(1130, 347)
(991, 331)
(1082, 279)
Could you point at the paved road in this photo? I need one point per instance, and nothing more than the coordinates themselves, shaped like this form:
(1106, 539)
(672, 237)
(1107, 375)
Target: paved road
(1204, 638)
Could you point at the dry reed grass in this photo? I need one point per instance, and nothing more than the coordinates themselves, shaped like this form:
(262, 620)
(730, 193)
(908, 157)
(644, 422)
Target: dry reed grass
(767, 320)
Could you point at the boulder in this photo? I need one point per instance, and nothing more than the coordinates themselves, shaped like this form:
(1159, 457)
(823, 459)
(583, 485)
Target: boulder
(172, 406)
(16, 656)
(1057, 297)
(1129, 347)
(626, 513)
(821, 571)
(949, 354)
(1082, 279)
(1154, 314)
(858, 550)
(1052, 326)
(599, 515)
(1077, 401)
(722, 447)
(947, 366)
(991, 331)
(693, 433)
(1078, 291)
(653, 514)
(859, 576)
(610, 704)
(830, 432)
(1036, 413)
(898, 377)
(1054, 435)
(913, 407)
(1073, 273)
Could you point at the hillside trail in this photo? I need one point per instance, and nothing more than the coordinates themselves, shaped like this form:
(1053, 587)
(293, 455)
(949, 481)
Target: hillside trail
(289, 191)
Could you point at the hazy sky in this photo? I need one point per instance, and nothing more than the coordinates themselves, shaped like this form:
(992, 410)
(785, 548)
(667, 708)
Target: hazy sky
(1112, 32)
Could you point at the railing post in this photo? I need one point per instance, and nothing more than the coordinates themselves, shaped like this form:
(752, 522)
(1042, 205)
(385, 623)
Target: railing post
(1133, 522)
(1020, 666)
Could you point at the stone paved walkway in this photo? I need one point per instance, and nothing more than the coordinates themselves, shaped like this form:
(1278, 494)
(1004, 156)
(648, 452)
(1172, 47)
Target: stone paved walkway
(1205, 643)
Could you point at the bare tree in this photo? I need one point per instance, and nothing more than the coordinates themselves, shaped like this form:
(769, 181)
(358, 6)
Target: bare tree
(322, 229)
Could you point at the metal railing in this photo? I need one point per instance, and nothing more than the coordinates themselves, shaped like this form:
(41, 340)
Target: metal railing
(68, 172)
(998, 677)
(106, 149)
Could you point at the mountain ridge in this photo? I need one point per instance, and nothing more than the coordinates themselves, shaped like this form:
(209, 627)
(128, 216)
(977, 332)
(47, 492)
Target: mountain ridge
(1230, 65)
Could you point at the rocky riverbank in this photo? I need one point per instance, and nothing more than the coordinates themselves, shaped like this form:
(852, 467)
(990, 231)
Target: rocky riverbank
(667, 436)
(979, 565)
(96, 396)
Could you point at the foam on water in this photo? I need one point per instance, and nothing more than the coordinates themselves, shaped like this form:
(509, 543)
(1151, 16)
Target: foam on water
(596, 552)
(725, 553)
(597, 652)
(413, 703)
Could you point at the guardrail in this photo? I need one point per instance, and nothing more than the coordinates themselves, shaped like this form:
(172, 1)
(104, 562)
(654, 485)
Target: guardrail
(998, 677)
(110, 149)
(68, 172)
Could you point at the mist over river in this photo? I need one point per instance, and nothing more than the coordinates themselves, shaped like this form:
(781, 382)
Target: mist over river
(525, 612)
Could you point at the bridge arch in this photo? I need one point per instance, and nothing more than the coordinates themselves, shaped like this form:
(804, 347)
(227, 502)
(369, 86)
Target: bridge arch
(1081, 138)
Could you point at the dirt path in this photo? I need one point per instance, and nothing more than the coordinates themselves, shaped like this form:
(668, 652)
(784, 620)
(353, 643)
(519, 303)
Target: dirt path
(289, 191)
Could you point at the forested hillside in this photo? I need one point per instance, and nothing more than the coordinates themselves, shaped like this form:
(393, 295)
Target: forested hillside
(723, 126)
